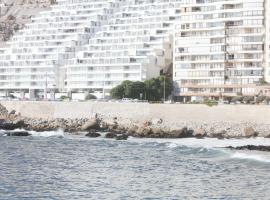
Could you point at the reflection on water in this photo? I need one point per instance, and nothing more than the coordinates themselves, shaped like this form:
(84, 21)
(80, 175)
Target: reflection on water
(79, 168)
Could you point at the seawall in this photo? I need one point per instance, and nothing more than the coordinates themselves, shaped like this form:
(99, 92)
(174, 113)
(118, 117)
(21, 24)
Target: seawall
(142, 111)
(149, 120)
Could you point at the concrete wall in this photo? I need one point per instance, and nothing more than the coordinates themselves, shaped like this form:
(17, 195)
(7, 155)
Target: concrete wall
(141, 112)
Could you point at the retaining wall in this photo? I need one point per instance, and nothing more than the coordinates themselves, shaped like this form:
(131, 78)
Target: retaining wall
(143, 111)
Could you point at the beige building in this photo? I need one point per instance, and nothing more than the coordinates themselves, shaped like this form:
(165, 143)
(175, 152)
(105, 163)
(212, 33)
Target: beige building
(221, 48)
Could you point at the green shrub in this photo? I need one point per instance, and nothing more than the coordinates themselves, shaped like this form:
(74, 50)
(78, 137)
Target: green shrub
(90, 96)
(238, 98)
(211, 103)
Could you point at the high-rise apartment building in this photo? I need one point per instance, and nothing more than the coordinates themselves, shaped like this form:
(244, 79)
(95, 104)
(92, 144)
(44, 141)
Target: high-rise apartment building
(221, 48)
(88, 45)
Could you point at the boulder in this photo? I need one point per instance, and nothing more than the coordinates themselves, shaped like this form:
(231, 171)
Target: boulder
(13, 112)
(131, 130)
(93, 134)
(179, 133)
(251, 148)
(110, 135)
(199, 133)
(18, 133)
(7, 125)
(220, 134)
(89, 125)
(121, 137)
(143, 132)
(249, 132)
(157, 132)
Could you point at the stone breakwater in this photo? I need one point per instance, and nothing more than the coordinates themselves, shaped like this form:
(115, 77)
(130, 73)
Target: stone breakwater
(119, 127)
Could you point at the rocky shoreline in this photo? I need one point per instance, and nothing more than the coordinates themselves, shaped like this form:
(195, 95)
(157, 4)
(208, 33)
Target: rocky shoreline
(119, 128)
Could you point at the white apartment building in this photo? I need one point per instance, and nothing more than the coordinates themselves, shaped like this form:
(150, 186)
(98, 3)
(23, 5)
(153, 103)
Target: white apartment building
(125, 48)
(88, 45)
(35, 57)
(221, 48)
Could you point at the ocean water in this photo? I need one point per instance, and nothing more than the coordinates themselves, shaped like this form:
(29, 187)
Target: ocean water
(51, 165)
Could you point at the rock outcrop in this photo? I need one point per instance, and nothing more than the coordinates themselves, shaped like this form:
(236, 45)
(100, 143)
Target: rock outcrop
(251, 148)
(16, 13)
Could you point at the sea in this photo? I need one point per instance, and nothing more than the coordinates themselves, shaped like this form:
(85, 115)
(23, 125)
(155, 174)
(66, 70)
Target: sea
(58, 166)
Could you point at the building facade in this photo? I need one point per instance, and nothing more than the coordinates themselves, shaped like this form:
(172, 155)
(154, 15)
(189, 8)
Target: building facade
(221, 48)
(81, 45)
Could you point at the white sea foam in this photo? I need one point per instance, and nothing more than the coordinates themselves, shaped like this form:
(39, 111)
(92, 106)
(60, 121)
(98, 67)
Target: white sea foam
(262, 157)
(59, 132)
(207, 142)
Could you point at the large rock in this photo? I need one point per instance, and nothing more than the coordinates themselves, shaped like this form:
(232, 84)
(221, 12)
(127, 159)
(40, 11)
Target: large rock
(143, 132)
(249, 132)
(179, 133)
(8, 125)
(199, 133)
(131, 130)
(90, 125)
(93, 134)
(110, 135)
(121, 137)
(220, 134)
(251, 148)
(157, 132)
(18, 133)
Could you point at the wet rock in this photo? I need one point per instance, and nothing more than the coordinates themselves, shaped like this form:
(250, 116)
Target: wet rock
(251, 147)
(7, 125)
(249, 132)
(121, 137)
(110, 135)
(90, 124)
(199, 133)
(93, 134)
(18, 133)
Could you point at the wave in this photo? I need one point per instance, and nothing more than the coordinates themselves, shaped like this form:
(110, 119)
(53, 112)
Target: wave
(206, 143)
(59, 132)
(251, 156)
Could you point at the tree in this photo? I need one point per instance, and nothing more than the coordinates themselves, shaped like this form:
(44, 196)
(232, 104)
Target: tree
(152, 89)
(90, 96)
(168, 87)
(118, 92)
(134, 89)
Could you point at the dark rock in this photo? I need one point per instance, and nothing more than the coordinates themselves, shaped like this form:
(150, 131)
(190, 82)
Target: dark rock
(180, 133)
(110, 135)
(121, 137)
(220, 134)
(7, 125)
(93, 134)
(18, 133)
(251, 147)
(13, 112)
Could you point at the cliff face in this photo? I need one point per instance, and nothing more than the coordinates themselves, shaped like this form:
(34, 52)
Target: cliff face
(14, 14)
